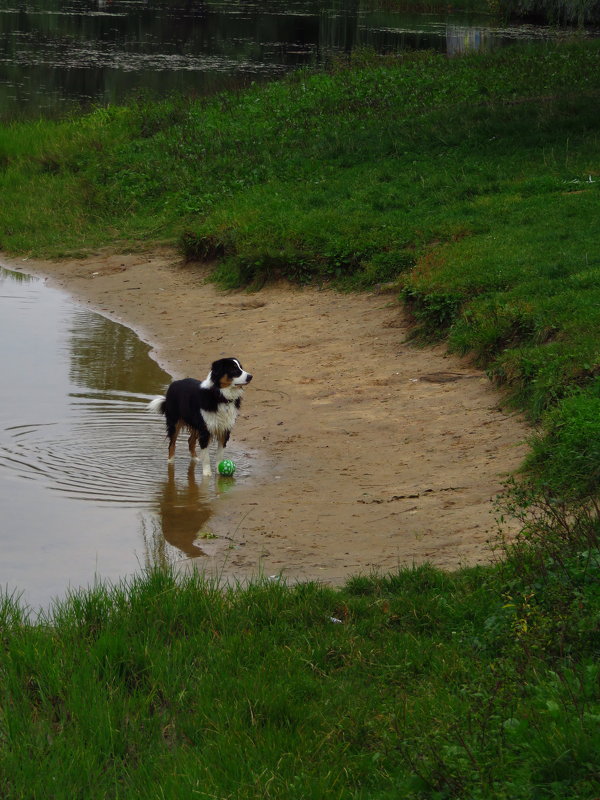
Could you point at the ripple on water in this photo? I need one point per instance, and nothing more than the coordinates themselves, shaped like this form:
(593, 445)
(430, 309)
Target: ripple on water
(110, 451)
(85, 489)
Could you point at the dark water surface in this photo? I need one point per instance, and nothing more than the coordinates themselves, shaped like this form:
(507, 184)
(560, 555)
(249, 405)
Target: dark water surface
(55, 54)
(85, 490)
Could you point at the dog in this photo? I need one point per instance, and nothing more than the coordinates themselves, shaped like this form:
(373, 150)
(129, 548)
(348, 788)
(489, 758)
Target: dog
(208, 409)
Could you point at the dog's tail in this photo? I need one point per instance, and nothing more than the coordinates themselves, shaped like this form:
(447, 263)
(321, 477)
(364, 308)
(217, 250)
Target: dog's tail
(157, 406)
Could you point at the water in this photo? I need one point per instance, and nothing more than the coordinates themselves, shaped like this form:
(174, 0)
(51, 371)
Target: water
(56, 54)
(85, 490)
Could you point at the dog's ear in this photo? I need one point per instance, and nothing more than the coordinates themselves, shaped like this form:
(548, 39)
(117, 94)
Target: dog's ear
(217, 370)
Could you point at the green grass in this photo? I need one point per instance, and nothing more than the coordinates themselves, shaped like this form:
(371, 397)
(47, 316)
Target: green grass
(432, 685)
(397, 149)
(466, 184)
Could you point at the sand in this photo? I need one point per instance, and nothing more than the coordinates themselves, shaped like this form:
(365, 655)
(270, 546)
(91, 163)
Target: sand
(364, 450)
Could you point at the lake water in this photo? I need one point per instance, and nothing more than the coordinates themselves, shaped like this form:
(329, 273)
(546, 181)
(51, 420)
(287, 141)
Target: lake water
(85, 490)
(55, 54)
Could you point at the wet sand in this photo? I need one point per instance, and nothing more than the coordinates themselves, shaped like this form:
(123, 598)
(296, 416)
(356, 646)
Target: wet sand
(364, 451)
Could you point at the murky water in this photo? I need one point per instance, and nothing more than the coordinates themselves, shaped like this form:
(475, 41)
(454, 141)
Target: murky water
(58, 53)
(85, 490)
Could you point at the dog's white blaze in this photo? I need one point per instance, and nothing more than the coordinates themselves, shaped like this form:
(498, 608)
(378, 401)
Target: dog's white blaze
(242, 379)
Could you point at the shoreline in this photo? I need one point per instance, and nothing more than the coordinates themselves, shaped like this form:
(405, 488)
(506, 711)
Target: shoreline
(366, 452)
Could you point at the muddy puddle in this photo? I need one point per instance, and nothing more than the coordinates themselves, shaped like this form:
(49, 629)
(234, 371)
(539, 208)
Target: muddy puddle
(85, 490)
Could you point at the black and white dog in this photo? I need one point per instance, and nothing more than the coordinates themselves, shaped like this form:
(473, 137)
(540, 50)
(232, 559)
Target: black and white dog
(207, 409)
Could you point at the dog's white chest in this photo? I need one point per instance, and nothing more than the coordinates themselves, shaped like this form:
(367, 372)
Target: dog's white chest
(222, 419)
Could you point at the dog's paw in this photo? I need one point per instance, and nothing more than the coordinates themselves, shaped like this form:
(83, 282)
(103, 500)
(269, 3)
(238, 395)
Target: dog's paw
(206, 471)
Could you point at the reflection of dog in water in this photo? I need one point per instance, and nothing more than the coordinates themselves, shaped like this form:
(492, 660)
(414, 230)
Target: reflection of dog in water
(208, 408)
(184, 511)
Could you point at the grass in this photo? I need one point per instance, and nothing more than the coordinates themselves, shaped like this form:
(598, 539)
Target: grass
(472, 186)
(420, 684)
(390, 143)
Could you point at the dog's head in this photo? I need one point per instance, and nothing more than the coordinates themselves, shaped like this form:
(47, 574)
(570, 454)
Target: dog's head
(227, 373)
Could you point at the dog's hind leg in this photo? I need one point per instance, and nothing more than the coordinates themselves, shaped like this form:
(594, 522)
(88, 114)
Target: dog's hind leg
(192, 441)
(173, 433)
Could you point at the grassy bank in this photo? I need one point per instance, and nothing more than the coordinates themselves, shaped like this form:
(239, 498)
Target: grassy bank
(471, 185)
(481, 684)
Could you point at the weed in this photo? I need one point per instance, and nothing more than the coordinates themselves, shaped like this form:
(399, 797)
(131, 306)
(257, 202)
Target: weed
(431, 685)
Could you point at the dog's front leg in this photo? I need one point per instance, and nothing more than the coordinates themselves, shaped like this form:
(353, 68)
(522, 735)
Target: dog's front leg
(222, 443)
(206, 470)
(204, 440)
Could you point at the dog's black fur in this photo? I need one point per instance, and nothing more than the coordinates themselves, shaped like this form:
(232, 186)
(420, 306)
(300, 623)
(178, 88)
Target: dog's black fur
(208, 408)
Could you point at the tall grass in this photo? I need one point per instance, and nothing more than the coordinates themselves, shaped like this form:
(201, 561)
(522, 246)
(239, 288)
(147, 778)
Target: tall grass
(418, 685)
(552, 12)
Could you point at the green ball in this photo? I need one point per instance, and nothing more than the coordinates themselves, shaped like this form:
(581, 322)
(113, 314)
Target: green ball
(226, 467)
